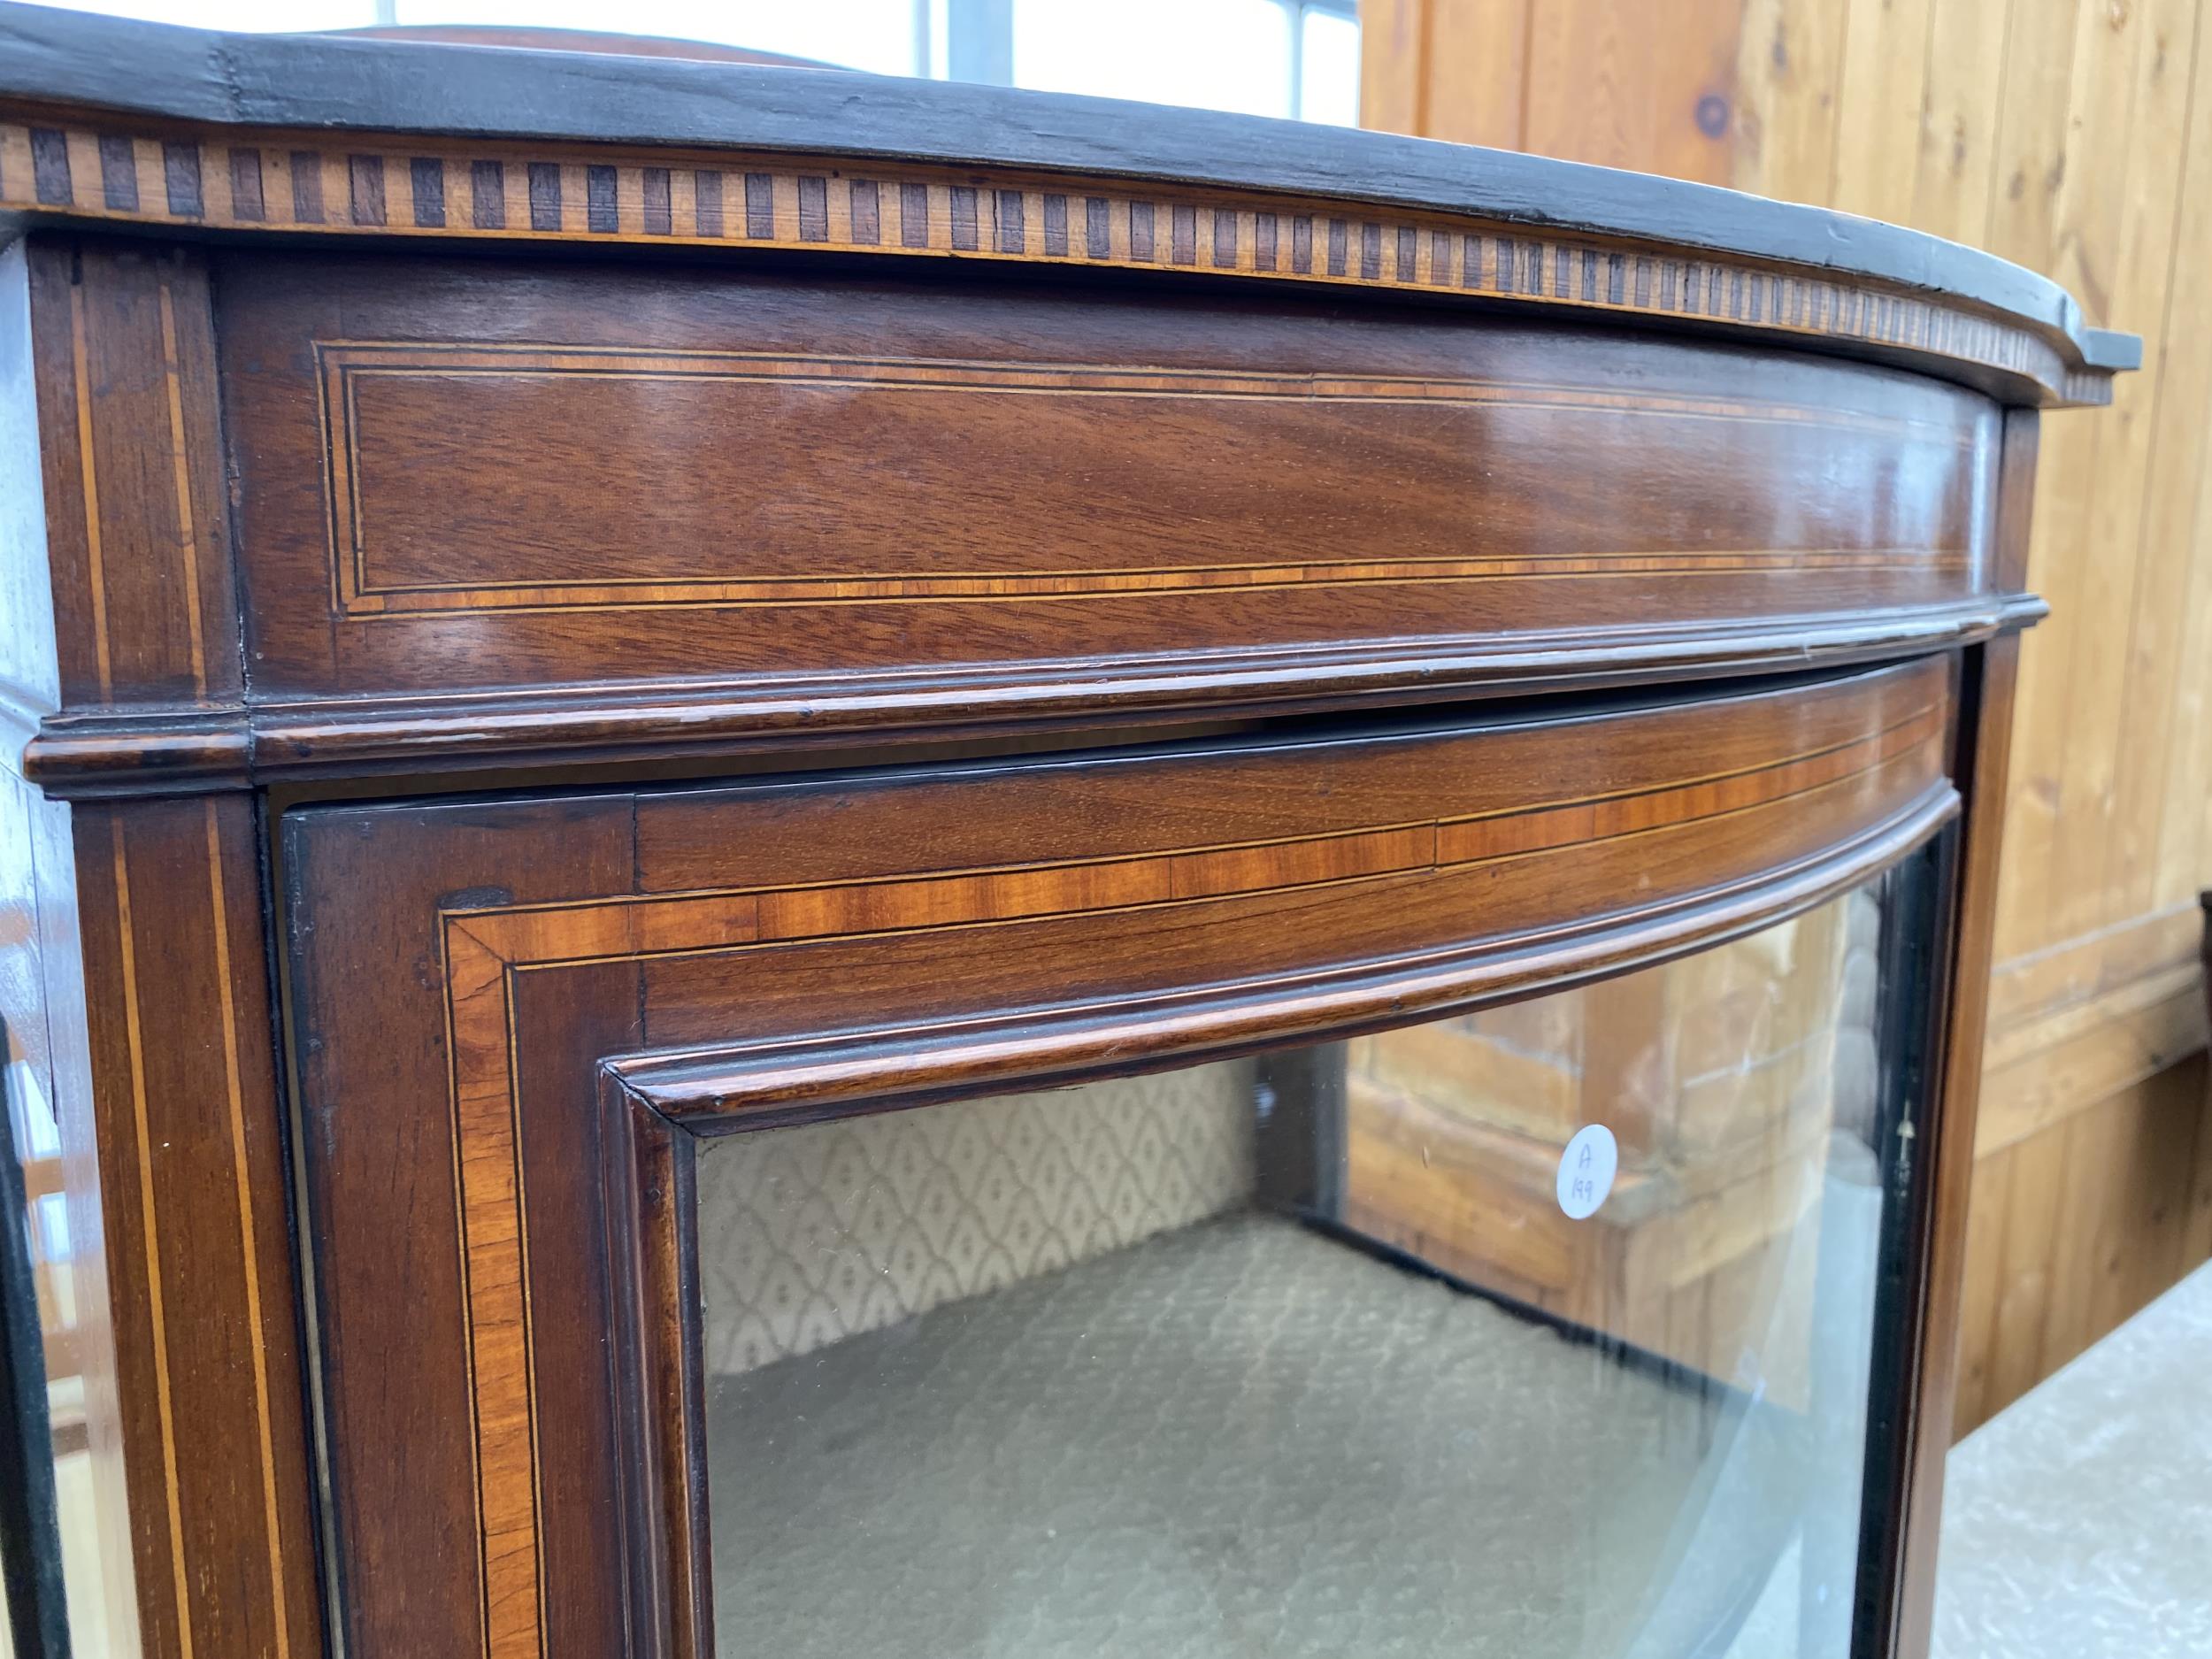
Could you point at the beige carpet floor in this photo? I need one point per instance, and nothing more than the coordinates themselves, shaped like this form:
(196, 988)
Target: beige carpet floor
(1244, 1438)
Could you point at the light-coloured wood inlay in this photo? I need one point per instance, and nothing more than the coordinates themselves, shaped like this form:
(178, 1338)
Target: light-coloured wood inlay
(149, 1222)
(486, 949)
(443, 189)
(346, 369)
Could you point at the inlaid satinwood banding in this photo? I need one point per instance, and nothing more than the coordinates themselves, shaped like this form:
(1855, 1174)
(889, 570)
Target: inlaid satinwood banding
(706, 185)
(307, 187)
(363, 592)
(484, 949)
(50, 183)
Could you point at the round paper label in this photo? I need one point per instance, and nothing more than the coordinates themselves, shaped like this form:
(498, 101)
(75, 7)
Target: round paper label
(1586, 1168)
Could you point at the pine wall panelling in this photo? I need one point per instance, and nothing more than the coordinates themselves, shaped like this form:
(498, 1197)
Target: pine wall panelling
(2074, 136)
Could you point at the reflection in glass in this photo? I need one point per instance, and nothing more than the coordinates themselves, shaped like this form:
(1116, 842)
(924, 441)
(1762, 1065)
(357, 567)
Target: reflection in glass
(55, 1541)
(1302, 1354)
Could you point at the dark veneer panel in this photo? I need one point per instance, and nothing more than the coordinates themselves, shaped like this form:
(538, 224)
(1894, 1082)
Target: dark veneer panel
(482, 474)
(136, 527)
(455, 1158)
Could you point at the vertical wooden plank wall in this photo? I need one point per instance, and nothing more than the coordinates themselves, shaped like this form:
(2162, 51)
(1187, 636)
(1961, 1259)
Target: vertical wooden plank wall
(2074, 136)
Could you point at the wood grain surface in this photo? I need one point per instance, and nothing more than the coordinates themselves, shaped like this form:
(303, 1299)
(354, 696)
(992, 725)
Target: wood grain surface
(209, 1403)
(802, 505)
(402, 409)
(137, 536)
(894, 937)
(731, 511)
(2074, 140)
(158, 1002)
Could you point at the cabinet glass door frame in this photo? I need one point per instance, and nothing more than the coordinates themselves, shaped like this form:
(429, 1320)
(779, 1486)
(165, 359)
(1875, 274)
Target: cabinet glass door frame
(597, 979)
(660, 1112)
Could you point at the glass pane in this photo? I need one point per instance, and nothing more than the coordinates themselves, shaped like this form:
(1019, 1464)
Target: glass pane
(1328, 69)
(1542, 1330)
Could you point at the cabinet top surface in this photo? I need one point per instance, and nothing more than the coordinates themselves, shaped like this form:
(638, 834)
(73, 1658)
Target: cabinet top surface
(190, 89)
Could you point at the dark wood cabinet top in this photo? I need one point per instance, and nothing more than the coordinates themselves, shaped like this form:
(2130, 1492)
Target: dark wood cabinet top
(506, 408)
(109, 120)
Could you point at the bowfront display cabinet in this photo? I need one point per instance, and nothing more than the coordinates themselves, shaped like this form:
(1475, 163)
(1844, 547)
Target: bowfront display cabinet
(812, 865)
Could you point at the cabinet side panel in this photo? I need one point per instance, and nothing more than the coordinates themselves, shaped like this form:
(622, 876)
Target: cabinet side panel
(199, 1261)
(401, 1345)
(1981, 768)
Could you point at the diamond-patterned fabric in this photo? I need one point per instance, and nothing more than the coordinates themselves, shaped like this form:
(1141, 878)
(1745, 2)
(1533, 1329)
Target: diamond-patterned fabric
(811, 1234)
(1239, 1439)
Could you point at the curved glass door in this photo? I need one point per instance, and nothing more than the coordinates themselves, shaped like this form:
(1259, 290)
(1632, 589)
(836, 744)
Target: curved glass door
(1544, 1329)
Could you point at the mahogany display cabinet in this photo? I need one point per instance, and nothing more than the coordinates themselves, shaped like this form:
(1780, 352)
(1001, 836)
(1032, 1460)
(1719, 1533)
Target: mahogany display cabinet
(809, 865)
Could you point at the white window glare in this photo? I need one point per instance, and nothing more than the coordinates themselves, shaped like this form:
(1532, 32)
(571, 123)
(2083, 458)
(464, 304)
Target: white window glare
(1279, 57)
(248, 16)
(1210, 54)
(878, 35)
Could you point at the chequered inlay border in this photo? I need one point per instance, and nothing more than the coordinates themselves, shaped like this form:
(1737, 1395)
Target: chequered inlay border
(602, 194)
